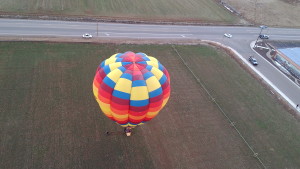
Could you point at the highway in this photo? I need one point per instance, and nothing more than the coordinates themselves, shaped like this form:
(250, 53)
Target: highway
(240, 42)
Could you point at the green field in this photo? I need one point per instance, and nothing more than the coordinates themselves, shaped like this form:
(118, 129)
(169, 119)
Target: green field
(199, 10)
(49, 118)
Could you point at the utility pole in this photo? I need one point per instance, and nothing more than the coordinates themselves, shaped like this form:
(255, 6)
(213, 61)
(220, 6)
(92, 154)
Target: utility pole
(261, 28)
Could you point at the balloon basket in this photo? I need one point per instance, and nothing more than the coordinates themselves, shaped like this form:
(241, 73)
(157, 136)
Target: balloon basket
(128, 134)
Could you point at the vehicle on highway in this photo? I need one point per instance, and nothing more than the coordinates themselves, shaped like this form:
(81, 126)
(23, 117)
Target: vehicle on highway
(253, 61)
(87, 35)
(261, 36)
(227, 35)
(263, 26)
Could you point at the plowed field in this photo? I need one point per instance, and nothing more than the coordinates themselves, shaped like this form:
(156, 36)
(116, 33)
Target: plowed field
(205, 11)
(49, 118)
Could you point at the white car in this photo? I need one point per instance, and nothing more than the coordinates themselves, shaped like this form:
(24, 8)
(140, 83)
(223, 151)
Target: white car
(227, 35)
(87, 35)
(253, 61)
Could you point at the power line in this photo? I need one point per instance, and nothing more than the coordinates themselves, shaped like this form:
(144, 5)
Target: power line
(232, 123)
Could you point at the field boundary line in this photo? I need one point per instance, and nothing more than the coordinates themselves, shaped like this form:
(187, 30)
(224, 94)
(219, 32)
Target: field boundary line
(232, 123)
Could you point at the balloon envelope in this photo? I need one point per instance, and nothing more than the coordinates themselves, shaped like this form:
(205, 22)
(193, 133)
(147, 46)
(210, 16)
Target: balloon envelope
(131, 88)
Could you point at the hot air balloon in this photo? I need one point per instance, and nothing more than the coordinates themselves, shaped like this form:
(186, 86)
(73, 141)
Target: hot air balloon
(131, 88)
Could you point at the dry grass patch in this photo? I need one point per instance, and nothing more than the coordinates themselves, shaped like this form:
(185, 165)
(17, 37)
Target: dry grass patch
(283, 13)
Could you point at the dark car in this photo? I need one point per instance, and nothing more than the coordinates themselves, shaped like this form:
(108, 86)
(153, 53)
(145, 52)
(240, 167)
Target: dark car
(263, 36)
(253, 61)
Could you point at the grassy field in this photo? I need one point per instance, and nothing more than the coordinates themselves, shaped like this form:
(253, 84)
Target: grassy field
(199, 10)
(279, 13)
(49, 118)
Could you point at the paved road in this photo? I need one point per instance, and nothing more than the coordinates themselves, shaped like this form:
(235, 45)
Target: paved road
(242, 37)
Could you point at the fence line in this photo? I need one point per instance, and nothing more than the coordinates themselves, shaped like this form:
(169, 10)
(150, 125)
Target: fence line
(220, 108)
